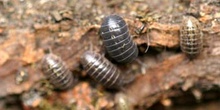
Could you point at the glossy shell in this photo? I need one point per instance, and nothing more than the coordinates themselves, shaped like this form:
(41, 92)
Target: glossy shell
(100, 69)
(56, 72)
(191, 37)
(116, 38)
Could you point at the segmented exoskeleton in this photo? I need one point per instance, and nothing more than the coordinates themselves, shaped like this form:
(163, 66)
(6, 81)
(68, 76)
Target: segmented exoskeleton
(56, 72)
(100, 69)
(191, 37)
(117, 40)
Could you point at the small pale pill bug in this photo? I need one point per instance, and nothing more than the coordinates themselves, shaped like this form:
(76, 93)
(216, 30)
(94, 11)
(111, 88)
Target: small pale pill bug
(31, 99)
(117, 40)
(21, 76)
(100, 69)
(56, 72)
(191, 37)
(122, 102)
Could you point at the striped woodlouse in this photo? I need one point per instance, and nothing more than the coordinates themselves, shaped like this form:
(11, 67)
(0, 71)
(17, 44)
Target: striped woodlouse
(102, 70)
(56, 72)
(117, 39)
(191, 37)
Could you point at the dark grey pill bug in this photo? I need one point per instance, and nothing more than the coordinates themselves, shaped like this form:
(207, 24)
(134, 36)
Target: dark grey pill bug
(191, 37)
(101, 70)
(117, 39)
(57, 73)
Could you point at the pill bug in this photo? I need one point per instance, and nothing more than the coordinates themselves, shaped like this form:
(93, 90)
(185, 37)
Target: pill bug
(122, 102)
(31, 99)
(56, 72)
(100, 69)
(117, 40)
(191, 38)
(21, 76)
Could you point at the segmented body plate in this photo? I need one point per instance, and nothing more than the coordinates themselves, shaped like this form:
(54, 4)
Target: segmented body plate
(191, 38)
(101, 70)
(116, 37)
(56, 72)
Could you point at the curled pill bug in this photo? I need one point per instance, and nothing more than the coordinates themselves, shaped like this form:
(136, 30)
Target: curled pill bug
(57, 73)
(191, 37)
(101, 70)
(117, 39)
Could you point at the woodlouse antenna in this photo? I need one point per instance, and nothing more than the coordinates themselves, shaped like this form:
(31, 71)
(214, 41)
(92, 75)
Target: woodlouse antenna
(148, 40)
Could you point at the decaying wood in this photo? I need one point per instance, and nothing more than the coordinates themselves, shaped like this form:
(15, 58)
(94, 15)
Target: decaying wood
(159, 79)
(174, 72)
(161, 35)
